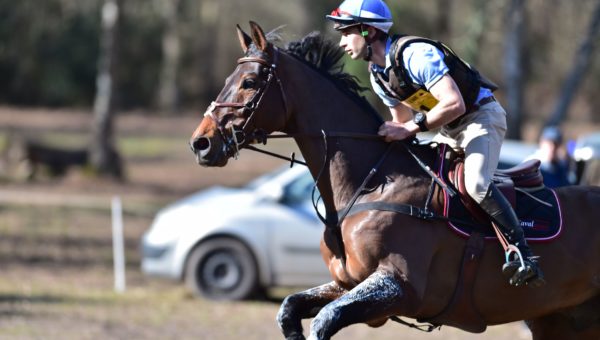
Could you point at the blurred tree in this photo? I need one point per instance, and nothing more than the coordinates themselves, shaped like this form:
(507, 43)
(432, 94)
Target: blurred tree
(582, 61)
(513, 67)
(444, 11)
(48, 49)
(316, 11)
(103, 156)
(45, 52)
(475, 31)
(168, 87)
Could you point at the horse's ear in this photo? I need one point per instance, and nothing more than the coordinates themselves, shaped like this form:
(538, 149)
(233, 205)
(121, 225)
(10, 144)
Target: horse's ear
(258, 36)
(245, 39)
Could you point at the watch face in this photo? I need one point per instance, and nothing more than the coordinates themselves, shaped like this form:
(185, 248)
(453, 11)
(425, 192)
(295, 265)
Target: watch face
(420, 120)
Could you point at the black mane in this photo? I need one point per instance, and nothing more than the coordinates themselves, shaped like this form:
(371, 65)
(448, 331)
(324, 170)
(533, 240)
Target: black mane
(325, 56)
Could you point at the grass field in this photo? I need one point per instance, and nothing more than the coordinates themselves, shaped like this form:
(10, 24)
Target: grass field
(55, 244)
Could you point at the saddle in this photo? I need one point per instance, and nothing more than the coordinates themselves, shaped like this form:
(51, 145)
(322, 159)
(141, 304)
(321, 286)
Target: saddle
(536, 206)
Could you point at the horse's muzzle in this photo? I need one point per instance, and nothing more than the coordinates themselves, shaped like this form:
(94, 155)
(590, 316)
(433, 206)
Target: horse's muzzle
(208, 152)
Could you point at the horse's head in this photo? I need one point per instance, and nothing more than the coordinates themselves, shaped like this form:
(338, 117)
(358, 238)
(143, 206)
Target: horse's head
(232, 121)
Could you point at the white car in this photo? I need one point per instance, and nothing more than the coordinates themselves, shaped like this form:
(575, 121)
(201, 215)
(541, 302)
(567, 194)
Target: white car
(231, 243)
(586, 155)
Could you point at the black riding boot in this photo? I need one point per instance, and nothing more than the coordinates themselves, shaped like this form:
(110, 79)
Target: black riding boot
(503, 215)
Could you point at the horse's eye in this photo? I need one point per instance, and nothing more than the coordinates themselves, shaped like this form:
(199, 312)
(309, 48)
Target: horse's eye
(248, 83)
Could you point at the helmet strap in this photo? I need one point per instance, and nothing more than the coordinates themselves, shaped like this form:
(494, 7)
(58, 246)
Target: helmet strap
(365, 33)
(369, 53)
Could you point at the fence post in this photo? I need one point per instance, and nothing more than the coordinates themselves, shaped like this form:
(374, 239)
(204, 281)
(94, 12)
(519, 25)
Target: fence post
(118, 244)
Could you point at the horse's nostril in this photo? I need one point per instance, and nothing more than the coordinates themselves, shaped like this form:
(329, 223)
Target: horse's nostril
(201, 144)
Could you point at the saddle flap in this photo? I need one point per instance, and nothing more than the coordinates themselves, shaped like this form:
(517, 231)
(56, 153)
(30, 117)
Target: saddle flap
(524, 175)
(456, 175)
(536, 206)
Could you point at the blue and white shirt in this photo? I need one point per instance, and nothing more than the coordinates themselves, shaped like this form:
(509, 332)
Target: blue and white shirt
(425, 66)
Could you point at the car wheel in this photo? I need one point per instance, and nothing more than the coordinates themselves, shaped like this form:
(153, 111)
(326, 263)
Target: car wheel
(222, 269)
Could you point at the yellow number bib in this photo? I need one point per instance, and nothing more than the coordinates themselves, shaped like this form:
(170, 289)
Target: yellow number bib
(421, 101)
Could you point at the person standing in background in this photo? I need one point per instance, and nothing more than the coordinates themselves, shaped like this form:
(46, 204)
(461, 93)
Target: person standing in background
(555, 162)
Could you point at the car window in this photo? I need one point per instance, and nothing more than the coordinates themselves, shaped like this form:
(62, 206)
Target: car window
(298, 190)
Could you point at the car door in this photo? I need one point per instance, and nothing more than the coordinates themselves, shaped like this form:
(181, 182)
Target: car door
(296, 258)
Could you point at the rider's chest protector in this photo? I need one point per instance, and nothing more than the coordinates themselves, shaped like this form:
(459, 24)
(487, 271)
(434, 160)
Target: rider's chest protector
(400, 85)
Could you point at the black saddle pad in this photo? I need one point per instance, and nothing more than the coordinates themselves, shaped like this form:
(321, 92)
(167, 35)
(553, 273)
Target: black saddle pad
(538, 211)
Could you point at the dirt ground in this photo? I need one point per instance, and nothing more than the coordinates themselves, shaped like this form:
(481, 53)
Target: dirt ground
(55, 242)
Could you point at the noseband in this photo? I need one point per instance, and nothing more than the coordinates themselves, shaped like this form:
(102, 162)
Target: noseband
(237, 137)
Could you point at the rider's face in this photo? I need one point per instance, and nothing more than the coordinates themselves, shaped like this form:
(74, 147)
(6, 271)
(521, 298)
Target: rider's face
(353, 42)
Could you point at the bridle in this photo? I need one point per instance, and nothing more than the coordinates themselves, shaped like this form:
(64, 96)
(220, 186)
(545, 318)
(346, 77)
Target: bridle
(237, 137)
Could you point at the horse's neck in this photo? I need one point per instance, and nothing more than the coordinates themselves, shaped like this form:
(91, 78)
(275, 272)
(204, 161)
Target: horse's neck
(318, 105)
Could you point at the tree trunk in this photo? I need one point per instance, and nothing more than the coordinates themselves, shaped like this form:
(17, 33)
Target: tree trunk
(513, 67)
(443, 20)
(205, 49)
(583, 59)
(103, 156)
(168, 89)
(475, 31)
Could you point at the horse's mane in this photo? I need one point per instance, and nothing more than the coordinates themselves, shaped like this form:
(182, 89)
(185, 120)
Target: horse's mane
(325, 57)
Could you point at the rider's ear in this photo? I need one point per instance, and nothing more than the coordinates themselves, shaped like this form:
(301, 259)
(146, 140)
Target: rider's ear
(245, 39)
(258, 36)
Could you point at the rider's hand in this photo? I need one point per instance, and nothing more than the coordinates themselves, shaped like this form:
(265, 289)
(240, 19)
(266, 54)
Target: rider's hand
(394, 131)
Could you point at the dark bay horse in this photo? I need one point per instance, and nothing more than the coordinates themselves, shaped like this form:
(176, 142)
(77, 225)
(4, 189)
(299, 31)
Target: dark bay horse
(386, 264)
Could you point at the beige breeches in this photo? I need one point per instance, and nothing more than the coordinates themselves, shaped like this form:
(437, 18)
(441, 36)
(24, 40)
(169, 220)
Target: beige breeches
(479, 136)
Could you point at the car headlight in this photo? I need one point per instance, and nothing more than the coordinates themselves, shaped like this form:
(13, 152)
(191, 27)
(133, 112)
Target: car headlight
(583, 154)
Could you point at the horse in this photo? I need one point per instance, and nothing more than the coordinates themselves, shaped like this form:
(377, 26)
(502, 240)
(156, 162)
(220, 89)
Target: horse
(384, 264)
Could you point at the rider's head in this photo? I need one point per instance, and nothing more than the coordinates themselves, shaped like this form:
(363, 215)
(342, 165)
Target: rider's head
(361, 22)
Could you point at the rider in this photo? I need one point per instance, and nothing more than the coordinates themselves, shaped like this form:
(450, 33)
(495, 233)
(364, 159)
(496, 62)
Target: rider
(426, 77)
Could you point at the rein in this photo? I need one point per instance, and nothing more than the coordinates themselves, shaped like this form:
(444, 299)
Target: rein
(260, 137)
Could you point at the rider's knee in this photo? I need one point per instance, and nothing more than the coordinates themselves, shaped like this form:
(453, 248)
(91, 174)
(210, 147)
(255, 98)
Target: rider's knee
(476, 187)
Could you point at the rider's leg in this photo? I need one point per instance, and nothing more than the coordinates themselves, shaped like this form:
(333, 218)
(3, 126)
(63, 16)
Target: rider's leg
(482, 141)
(502, 214)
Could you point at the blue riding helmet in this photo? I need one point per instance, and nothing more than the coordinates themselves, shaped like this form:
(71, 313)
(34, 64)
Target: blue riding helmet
(369, 12)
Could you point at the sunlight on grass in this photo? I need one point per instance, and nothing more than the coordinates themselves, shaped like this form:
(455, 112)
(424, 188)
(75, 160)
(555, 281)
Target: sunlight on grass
(129, 146)
(149, 146)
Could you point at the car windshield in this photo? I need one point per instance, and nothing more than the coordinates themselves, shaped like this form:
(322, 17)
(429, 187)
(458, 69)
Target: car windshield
(299, 190)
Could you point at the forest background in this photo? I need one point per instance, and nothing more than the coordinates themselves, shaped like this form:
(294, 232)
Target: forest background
(172, 56)
(165, 61)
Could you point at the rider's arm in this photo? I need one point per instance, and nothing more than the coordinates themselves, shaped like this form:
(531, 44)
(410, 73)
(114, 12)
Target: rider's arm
(450, 106)
(401, 113)
(450, 103)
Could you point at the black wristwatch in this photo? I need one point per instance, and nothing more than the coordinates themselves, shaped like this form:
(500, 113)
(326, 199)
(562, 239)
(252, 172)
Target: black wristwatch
(421, 120)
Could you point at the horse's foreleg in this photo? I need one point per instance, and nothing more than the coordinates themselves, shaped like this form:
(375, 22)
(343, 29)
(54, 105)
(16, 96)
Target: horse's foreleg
(375, 298)
(304, 305)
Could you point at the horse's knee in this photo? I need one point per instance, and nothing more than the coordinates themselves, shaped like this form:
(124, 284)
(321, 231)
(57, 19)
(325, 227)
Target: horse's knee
(372, 301)
(284, 313)
(321, 326)
(288, 320)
